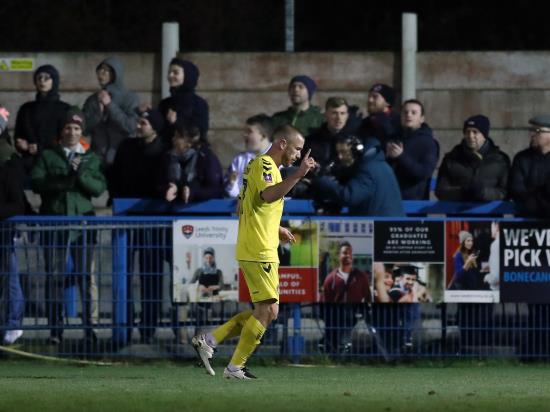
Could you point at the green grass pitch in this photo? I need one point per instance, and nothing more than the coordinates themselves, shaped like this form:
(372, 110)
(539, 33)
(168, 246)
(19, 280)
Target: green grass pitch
(41, 386)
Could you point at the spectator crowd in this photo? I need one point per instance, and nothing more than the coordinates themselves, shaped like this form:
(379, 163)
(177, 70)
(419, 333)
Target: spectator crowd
(367, 162)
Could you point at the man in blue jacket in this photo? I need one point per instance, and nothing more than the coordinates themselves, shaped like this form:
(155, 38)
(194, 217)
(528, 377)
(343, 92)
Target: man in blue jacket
(364, 182)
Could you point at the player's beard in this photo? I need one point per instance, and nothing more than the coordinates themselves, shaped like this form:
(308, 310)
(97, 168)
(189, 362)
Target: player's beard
(287, 160)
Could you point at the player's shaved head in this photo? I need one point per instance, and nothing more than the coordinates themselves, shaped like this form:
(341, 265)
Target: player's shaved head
(287, 132)
(288, 142)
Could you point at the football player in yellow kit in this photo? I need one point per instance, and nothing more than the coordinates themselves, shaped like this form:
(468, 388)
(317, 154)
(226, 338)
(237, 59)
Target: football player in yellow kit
(260, 211)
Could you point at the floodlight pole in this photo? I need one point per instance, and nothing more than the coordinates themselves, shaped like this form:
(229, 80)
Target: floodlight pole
(170, 49)
(289, 26)
(408, 55)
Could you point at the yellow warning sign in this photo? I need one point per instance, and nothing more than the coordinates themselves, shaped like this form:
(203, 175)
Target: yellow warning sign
(19, 64)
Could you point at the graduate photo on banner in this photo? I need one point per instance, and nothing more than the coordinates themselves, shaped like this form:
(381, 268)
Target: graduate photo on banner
(205, 268)
(408, 261)
(525, 262)
(298, 264)
(345, 261)
(472, 261)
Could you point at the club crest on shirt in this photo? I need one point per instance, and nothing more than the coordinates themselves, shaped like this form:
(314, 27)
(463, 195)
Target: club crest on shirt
(187, 231)
(268, 178)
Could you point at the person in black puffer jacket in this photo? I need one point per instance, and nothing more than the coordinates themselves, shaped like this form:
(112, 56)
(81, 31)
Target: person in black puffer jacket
(475, 170)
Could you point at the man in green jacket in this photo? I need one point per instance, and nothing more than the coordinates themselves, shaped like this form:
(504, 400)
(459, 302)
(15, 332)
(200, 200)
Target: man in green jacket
(301, 114)
(66, 177)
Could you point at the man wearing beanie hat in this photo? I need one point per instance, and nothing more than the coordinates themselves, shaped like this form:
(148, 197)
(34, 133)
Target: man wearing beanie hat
(38, 123)
(137, 173)
(155, 119)
(110, 112)
(382, 121)
(475, 170)
(304, 116)
(529, 182)
(67, 176)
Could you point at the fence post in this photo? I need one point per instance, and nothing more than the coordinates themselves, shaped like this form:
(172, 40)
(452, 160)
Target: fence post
(120, 295)
(69, 293)
(408, 55)
(296, 340)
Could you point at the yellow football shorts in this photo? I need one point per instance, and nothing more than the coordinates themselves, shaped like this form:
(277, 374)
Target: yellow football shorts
(262, 279)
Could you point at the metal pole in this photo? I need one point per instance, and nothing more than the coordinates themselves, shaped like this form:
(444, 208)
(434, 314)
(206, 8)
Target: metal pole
(408, 55)
(120, 292)
(170, 48)
(297, 340)
(289, 25)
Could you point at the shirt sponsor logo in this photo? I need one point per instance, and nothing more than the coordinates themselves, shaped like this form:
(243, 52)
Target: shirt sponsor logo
(268, 178)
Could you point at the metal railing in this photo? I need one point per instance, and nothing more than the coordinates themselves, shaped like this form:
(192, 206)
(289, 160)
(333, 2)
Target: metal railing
(102, 287)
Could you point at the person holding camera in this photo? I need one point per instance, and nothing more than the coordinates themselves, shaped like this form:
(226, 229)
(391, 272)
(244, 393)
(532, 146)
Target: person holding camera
(67, 176)
(362, 180)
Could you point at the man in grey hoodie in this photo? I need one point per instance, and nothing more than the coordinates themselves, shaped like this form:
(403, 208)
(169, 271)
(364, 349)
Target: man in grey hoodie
(110, 113)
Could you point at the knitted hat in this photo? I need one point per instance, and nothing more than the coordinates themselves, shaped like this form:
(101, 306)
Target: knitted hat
(75, 115)
(154, 117)
(307, 81)
(479, 122)
(385, 91)
(209, 251)
(463, 235)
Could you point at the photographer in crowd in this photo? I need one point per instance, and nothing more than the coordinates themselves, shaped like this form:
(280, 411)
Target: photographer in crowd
(361, 180)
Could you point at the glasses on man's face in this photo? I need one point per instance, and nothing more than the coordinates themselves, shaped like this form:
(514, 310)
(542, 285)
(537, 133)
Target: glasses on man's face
(43, 77)
(538, 130)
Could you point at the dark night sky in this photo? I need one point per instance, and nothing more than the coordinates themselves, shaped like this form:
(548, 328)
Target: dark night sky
(258, 25)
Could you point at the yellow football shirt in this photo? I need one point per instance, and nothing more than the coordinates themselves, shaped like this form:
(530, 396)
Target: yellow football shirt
(259, 221)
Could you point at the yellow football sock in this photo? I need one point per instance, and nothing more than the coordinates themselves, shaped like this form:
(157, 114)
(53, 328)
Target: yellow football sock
(251, 334)
(232, 327)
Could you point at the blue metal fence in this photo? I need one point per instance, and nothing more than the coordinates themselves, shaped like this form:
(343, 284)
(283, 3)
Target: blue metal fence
(102, 287)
